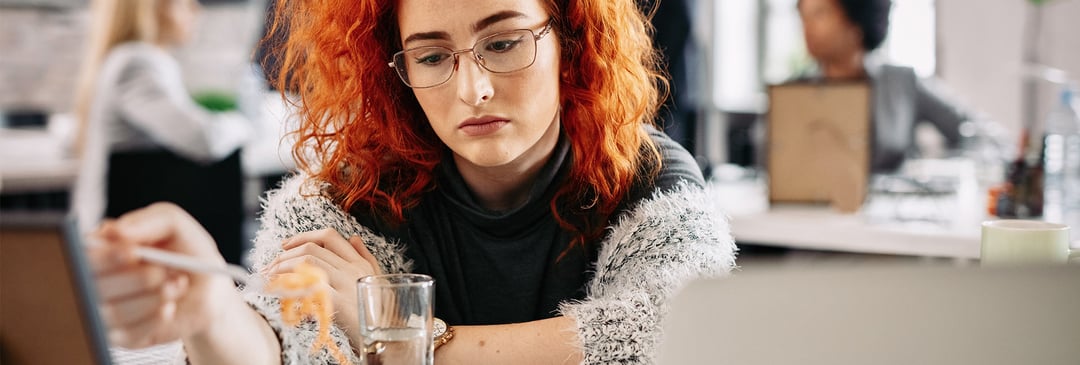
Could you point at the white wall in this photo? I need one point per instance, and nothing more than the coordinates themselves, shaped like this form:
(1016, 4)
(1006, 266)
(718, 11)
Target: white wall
(980, 52)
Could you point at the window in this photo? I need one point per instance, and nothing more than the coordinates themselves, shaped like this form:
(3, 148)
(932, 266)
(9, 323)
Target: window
(912, 36)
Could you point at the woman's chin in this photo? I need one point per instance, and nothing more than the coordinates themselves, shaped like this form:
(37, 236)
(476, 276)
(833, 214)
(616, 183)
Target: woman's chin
(486, 158)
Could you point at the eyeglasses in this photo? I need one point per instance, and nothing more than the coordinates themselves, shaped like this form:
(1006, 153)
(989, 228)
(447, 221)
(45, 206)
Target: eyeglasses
(502, 52)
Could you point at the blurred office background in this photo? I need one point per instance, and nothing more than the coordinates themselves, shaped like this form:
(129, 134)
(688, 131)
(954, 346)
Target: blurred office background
(42, 42)
(974, 47)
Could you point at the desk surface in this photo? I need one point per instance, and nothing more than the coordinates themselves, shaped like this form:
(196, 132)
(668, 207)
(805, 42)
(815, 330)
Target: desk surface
(819, 228)
(34, 160)
(815, 227)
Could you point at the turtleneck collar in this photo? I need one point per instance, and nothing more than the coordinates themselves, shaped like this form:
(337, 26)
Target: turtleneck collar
(452, 187)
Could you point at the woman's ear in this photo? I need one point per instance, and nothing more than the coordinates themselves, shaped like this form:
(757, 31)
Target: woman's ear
(857, 35)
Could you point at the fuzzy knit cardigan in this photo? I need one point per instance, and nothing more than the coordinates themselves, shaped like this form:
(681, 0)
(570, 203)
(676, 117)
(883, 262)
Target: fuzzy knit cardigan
(660, 245)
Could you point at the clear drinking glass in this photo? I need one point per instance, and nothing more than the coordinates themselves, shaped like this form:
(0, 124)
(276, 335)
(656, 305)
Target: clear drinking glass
(396, 319)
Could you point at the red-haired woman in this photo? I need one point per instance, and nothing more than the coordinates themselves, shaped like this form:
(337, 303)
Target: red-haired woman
(503, 147)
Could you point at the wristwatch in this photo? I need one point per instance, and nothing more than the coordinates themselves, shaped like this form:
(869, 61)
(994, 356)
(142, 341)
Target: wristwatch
(441, 333)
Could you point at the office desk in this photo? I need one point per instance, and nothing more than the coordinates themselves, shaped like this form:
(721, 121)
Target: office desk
(818, 227)
(32, 161)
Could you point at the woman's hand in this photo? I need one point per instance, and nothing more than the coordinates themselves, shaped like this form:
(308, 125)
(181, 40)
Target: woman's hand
(143, 303)
(344, 261)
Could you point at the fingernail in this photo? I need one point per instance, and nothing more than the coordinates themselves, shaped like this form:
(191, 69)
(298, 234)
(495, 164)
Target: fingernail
(168, 311)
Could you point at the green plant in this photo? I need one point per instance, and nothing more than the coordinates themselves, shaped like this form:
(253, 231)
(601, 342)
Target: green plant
(217, 101)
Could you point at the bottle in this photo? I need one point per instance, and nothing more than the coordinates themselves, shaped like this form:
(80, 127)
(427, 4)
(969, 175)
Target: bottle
(1021, 194)
(1061, 160)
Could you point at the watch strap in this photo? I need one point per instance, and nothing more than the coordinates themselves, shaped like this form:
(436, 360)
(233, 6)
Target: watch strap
(445, 337)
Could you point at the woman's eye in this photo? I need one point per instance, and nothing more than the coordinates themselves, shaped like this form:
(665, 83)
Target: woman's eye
(432, 59)
(503, 45)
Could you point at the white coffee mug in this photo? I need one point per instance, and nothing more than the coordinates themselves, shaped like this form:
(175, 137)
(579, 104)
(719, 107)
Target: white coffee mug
(1018, 242)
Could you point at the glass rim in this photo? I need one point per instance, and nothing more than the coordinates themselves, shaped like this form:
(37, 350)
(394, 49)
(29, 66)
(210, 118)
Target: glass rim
(1024, 225)
(396, 280)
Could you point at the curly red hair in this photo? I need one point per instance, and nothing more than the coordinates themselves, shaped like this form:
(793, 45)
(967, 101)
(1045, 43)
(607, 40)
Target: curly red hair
(365, 134)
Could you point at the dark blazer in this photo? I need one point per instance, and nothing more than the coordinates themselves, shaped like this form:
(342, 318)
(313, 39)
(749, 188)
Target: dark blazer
(900, 100)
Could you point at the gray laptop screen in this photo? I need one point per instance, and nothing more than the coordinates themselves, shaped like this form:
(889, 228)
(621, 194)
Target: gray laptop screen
(879, 315)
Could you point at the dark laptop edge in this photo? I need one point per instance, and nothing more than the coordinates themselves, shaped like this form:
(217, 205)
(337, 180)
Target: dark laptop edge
(82, 276)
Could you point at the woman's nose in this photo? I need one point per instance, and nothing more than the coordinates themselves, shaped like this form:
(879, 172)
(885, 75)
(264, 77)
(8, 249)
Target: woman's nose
(473, 81)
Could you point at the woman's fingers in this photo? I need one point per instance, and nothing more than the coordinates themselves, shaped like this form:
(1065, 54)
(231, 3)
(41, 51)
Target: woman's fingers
(153, 329)
(160, 224)
(153, 223)
(134, 309)
(105, 256)
(287, 264)
(309, 249)
(361, 248)
(134, 319)
(329, 239)
(339, 279)
(145, 303)
(136, 279)
(341, 274)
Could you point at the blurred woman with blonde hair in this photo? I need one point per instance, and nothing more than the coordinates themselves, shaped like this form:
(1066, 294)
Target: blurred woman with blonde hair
(141, 137)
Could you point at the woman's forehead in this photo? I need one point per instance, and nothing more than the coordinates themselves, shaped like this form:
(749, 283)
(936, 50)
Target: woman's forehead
(453, 16)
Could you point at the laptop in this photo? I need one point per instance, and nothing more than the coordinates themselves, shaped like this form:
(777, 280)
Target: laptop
(48, 302)
(878, 315)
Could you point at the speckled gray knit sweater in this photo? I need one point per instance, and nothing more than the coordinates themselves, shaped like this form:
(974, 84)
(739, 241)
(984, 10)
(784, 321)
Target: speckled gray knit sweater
(662, 243)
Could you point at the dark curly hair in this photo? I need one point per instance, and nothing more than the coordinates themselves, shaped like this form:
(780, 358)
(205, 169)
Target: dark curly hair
(872, 17)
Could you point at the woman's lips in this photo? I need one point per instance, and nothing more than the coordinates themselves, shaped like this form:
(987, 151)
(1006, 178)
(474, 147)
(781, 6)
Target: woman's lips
(481, 127)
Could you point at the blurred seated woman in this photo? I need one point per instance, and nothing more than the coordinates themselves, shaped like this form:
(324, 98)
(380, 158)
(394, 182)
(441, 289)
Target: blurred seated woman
(839, 36)
(142, 138)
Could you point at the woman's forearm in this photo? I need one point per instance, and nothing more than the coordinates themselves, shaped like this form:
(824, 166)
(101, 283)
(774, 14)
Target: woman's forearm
(240, 335)
(548, 341)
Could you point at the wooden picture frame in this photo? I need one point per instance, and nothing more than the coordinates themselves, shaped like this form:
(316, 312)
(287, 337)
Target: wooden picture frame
(818, 143)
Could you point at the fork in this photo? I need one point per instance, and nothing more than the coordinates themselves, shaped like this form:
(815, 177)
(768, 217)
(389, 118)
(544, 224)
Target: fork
(251, 282)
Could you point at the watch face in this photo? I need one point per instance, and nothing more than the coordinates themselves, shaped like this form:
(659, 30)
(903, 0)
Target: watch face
(439, 328)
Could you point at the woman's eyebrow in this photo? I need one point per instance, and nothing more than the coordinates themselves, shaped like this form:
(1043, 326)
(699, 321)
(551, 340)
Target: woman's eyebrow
(426, 36)
(478, 26)
(495, 18)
